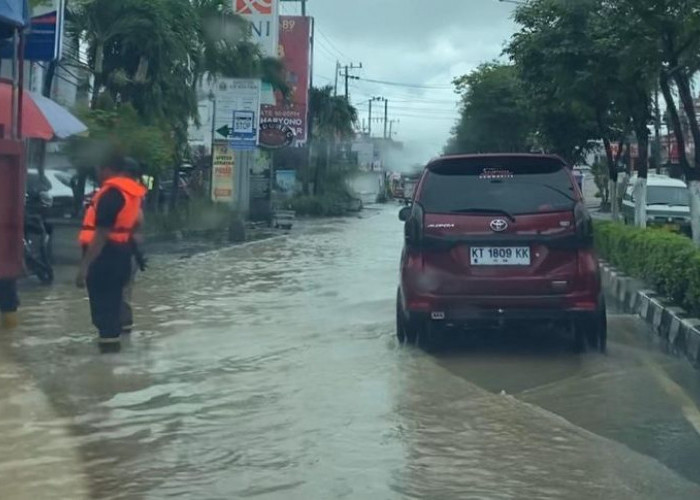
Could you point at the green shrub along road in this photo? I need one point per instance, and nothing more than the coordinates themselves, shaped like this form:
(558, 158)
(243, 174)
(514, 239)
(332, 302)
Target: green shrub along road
(665, 261)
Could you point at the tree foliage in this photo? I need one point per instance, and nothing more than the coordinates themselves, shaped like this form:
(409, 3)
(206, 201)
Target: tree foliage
(491, 97)
(121, 130)
(151, 55)
(332, 116)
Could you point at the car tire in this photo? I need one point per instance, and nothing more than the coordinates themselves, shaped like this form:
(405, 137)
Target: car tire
(429, 336)
(406, 330)
(400, 322)
(591, 331)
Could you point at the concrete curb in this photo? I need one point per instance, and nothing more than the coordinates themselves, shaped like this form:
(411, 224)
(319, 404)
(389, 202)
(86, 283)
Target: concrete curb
(671, 324)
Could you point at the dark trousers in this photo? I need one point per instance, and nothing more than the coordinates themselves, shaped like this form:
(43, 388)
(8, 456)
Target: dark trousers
(8, 295)
(106, 279)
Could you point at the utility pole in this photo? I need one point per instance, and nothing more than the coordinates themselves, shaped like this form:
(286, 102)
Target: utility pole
(386, 117)
(377, 99)
(391, 128)
(657, 129)
(303, 8)
(369, 119)
(337, 74)
(348, 76)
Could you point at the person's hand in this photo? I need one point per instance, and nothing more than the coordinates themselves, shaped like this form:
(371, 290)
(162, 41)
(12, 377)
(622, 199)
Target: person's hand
(80, 278)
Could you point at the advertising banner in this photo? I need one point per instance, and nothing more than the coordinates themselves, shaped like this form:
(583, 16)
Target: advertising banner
(263, 16)
(223, 168)
(285, 123)
(286, 182)
(237, 102)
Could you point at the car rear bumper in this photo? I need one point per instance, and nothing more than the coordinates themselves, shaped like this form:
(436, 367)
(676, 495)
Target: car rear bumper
(502, 308)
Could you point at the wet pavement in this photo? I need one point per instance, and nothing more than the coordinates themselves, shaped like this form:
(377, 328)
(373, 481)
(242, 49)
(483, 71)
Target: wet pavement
(270, 370)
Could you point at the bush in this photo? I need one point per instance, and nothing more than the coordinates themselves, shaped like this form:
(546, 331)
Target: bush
(666, 261)
(326, 205)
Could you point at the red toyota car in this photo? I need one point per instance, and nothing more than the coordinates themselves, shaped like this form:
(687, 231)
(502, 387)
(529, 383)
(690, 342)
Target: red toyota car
(492, 240)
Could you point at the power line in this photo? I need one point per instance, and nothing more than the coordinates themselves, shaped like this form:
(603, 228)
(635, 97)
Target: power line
(403, 84)
(332, 45)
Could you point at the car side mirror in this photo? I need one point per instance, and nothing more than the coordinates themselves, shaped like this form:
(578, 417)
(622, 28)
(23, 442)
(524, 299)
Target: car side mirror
(405, 213)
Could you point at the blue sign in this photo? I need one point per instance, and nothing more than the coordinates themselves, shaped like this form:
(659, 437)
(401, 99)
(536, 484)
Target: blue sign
(43, 42)
(244, 134)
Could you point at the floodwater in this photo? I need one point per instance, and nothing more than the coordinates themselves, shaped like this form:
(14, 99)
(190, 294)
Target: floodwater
(271, 371)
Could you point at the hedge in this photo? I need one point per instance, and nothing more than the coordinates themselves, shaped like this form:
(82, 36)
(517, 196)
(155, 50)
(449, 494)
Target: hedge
(665, 261)
(326, 205)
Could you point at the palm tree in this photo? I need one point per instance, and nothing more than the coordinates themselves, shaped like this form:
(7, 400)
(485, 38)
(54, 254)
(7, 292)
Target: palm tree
(332, 119)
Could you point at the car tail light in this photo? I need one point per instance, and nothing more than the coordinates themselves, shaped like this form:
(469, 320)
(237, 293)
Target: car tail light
(418, 305)
(587, 271)
(585, 305)
(584, 225)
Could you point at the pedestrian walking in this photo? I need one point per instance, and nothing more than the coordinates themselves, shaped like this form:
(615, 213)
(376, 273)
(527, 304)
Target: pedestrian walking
(108, 228)
(138, 261)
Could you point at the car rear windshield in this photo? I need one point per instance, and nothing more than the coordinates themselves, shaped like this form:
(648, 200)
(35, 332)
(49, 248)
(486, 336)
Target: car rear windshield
(513, 185)
(667, 195)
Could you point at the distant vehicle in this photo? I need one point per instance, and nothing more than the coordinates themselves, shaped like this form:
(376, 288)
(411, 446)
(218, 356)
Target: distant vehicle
(498, 239)
(668, 204)
(58, 184)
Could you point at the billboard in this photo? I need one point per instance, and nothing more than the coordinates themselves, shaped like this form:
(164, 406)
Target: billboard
(223, 166)
(285, 123)
(263, 16)
(237, 102)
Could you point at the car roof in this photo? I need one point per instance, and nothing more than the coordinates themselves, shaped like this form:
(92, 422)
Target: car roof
(662, 181)
(505, 156)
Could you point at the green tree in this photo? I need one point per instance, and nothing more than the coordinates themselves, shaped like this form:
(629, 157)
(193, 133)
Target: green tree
(332, 119)
(491, 97)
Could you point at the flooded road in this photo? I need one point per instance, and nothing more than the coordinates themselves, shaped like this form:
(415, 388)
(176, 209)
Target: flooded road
(271, 371)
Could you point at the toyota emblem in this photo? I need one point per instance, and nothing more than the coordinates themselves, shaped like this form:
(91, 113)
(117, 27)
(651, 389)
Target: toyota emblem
(499, 225)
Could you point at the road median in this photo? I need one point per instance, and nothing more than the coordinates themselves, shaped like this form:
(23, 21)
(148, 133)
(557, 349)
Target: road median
(672, 324)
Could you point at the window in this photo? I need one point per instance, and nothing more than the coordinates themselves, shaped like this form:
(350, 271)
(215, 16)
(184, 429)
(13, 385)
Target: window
(512, 184)
(667, 195)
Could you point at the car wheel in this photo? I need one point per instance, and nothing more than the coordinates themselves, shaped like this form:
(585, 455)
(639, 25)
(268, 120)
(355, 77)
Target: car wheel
(592, 330)
(400, 322)
(429, 336)
(406, 329)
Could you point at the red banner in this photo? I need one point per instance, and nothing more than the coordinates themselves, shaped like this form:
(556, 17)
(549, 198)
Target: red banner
(285, 123)
(254, 7)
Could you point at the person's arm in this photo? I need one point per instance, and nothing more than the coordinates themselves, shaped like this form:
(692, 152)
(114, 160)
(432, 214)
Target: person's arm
(93, 250)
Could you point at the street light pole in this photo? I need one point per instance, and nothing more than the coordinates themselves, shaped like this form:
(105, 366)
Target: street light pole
(212, 98)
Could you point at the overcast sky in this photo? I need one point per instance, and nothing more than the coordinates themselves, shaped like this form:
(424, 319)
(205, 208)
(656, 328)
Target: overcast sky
(420, 42)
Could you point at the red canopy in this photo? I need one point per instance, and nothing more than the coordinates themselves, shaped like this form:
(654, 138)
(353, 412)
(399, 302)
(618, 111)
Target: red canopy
(34, 123)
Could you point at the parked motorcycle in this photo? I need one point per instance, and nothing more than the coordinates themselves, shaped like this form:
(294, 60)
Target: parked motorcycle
(38, 237)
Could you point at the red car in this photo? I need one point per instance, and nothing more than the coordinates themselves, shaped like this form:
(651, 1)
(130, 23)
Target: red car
(498, 239)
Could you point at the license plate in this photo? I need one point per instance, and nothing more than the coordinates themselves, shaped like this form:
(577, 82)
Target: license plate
(500, 256)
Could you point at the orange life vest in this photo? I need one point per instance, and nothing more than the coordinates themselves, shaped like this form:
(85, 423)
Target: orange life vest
(127, 217)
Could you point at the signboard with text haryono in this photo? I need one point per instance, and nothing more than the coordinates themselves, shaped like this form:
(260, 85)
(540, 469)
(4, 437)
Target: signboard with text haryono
(237, 112)
(263, 16)
(285, 124)
(222, 173)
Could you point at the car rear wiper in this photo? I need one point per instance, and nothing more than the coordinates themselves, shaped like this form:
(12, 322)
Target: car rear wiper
(553, 188)
(485, 211)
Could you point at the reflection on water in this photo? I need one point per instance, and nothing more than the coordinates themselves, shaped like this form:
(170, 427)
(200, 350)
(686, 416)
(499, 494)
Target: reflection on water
(271, 371)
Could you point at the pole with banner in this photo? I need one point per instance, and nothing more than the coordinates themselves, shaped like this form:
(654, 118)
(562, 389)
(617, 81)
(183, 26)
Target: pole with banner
(222, 175)
(237, 122)
(285, 123)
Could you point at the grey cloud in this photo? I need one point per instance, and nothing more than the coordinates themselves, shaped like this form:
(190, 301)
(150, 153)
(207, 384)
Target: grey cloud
(426, 42)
